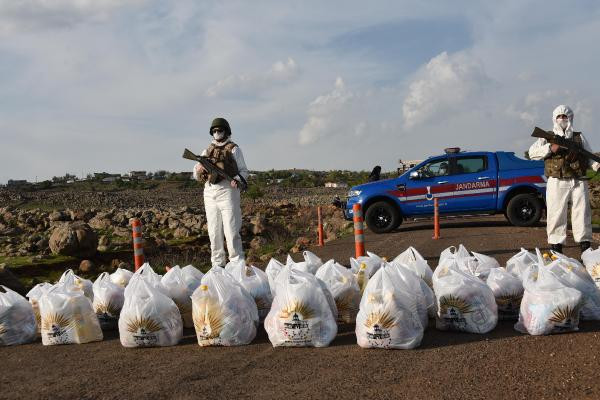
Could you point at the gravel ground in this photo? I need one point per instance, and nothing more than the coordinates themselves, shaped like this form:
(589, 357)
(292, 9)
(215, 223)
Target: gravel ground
(503, 364)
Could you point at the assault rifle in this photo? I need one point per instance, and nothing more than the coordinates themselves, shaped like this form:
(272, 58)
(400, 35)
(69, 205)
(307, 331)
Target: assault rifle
(211, 168)
(570, 145)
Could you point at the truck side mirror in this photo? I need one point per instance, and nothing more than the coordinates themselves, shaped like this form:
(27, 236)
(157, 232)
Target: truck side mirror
(414, 175)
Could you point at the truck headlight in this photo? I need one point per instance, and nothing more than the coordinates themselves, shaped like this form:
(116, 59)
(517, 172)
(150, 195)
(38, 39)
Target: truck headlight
(354, 193)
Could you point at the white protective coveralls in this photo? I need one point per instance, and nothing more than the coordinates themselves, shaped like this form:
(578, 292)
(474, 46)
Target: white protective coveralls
(224, 214)
(560, 191)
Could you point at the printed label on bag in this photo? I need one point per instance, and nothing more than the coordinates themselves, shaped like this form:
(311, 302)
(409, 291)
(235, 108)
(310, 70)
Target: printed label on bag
(297, 330)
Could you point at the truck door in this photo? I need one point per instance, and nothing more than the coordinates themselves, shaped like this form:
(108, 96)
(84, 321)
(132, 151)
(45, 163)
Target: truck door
(427, 181)
(474, 181)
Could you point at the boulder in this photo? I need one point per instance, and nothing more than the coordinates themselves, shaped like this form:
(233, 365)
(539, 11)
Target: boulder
(86, 266)
(76, 239)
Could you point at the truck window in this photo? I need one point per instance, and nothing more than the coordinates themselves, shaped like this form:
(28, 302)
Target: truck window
(434, 168)
(469, 165)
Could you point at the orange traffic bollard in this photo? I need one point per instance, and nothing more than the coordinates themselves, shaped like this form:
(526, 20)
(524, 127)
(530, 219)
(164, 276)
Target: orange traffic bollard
(436, 219)
(138, 243)
(320, 221)
(359, 236)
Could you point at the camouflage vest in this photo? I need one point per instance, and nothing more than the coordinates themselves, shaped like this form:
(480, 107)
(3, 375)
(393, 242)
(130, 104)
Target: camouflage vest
(222, 157)
(566, 164)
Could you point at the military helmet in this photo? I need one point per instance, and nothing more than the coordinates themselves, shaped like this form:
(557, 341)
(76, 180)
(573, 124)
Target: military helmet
(222, 123)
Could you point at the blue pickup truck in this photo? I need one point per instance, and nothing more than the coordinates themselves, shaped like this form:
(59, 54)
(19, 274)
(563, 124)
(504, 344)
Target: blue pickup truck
(464, 182)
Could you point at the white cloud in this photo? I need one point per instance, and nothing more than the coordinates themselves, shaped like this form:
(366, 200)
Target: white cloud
(280, 72)
(323, 113)
(27, 15)
(444, 84)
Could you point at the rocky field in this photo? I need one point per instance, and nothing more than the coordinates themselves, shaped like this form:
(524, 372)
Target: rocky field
(45, 231)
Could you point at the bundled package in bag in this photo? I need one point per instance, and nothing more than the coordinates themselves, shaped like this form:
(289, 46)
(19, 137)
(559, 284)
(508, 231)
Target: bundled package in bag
(508, 291)
(464, 302)
(149, 317)
(225, 314)
(343, 286)
(302, 313)
(108, 301)
(272, 270)
(192, 277)
(256, 282)
(574, 275)
(414, 261)
(389, 315)
(34, 299)
(67, 315)
(520, 262)
(591, 260)
(69, 278)
(121, 277)
(548, 306)
(177, 289)
(17, 319)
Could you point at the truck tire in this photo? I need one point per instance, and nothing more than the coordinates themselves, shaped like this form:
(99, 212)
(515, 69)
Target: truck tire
(524, 209)
(382, 217)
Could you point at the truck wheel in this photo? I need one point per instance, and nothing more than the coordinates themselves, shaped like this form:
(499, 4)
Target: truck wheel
(524, 210)
(382, 217)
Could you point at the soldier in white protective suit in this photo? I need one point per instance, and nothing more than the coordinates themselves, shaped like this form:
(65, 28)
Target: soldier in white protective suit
(566, 184)
(221, 198)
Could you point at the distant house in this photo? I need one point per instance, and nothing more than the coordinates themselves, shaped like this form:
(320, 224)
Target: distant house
(185, 175)
(342, 185)
(16, 183)
(406, 165)
(139, 175)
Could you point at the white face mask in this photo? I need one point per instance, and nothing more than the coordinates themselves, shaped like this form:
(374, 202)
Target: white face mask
(563, 123)
(219, 136)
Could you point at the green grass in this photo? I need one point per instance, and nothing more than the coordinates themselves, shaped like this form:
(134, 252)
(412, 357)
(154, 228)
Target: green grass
(24, 261)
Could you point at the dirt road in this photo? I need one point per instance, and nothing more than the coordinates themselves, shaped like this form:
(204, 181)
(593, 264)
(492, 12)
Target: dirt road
(500, 365)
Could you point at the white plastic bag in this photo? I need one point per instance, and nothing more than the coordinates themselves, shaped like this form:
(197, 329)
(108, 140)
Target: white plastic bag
(414, 261)
(574, 275)
(520, 262)
(34, 299)
(591, 260)
(508, 291)
(17, 319)
(312, 262)
(548, 306)
(301, 314)
(121, 277)
(108, 301)
(424, 296)
(364, 268)
(69, 278)
(388, 316)
(192, 277)
(149, 317)
(256, 282)
(272, 270)
(465, 303)
(225, 314)
(177, 289)
(476, 264)
(453, 253)
(343, 286)
(147, 274)
(67, 315)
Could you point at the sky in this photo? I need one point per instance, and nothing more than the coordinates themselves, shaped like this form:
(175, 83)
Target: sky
(118, 85)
